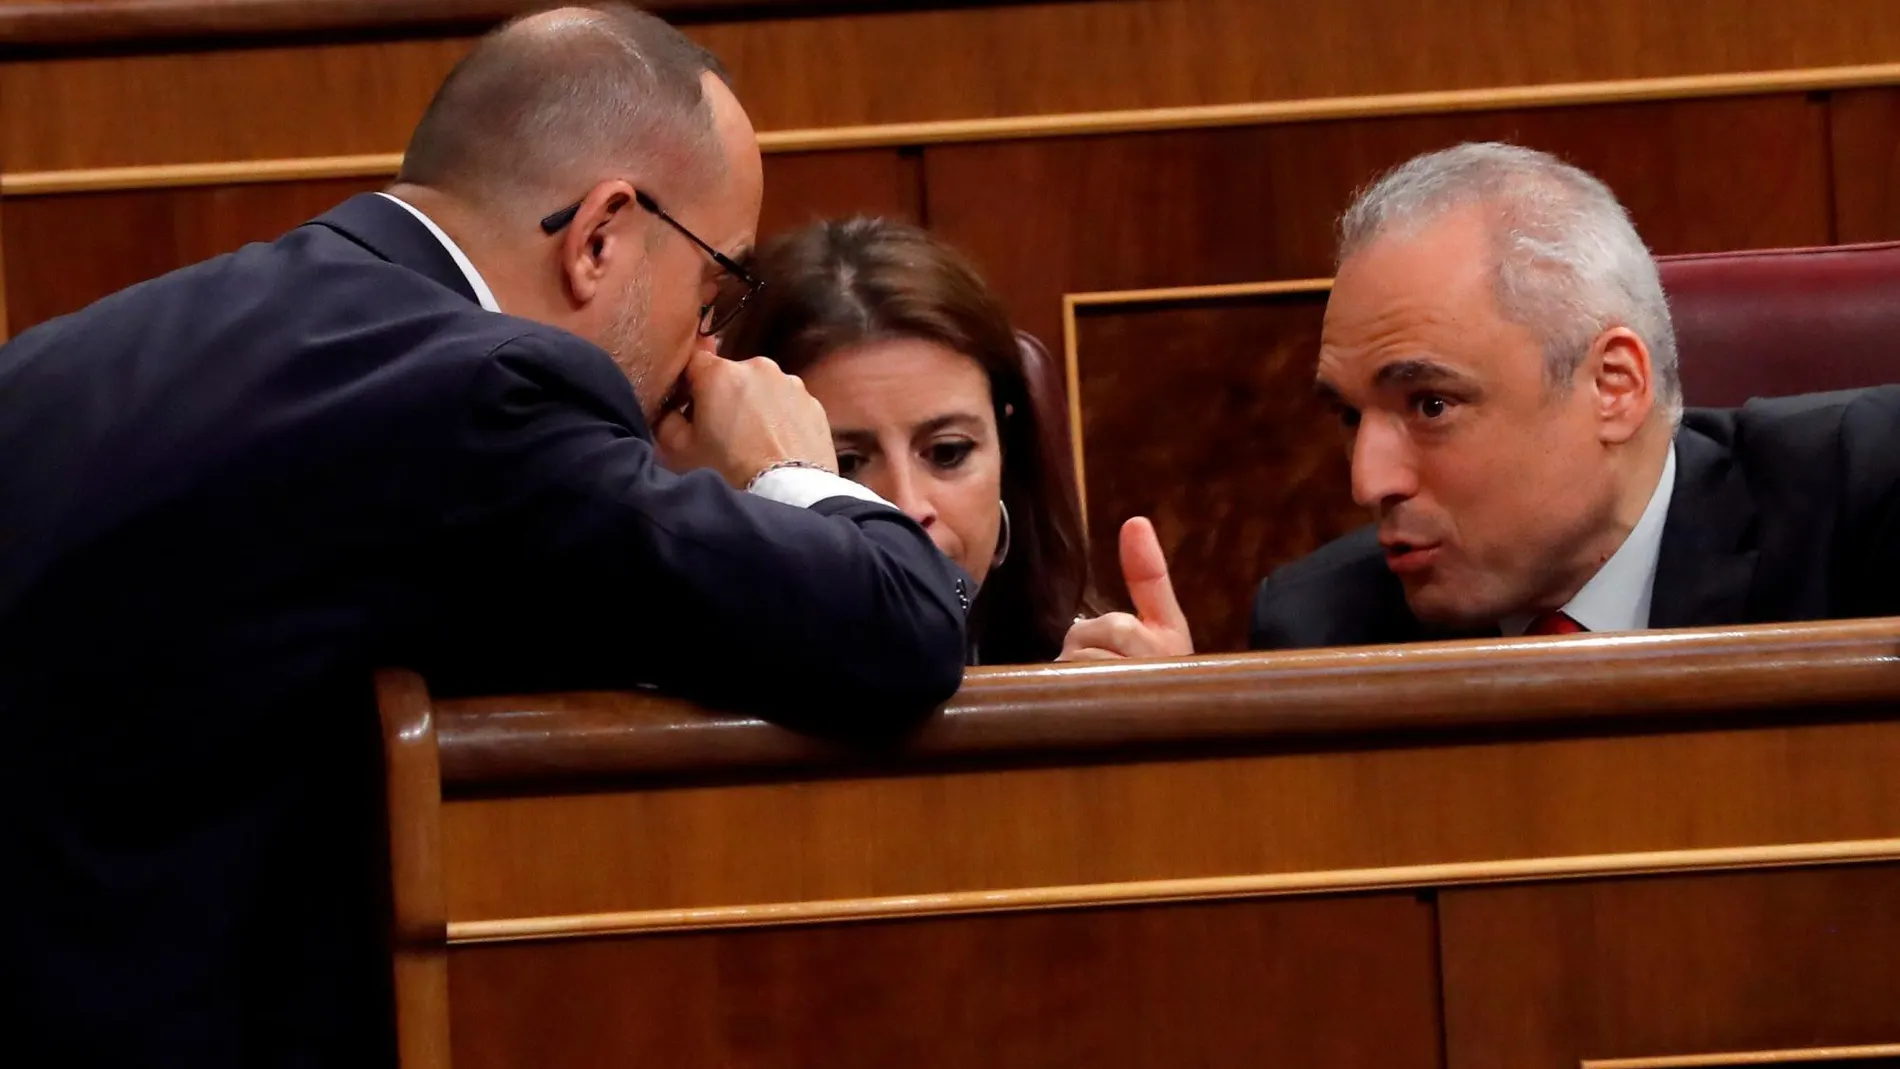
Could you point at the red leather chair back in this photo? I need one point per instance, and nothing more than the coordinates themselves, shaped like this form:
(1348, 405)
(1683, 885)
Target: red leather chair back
(1784, 321)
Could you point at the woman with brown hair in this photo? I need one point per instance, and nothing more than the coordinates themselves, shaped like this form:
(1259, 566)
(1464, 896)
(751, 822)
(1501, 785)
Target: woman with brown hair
(932, 406)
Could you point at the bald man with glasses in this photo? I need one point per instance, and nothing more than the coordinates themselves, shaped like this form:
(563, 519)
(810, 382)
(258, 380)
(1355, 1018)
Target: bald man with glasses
(436, 428)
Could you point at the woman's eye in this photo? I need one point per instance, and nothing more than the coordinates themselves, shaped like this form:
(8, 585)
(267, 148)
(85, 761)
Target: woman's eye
(849, 464)
(949, 455)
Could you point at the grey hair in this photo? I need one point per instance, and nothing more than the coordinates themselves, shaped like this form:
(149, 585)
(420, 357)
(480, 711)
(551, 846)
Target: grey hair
(552, 103)
(1569, 263)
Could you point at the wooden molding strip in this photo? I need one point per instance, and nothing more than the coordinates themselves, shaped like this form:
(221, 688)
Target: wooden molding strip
(1314, 109)
(3, 284)
(1803, 1055)
(41, 24)
(1072, 388)
(179, 175)
(30, 183)
(1429, 694)
(412, 793)
(1171, 294)
(965, 903)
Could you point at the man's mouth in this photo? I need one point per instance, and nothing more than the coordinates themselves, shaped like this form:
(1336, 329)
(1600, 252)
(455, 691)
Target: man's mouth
(1406, 557)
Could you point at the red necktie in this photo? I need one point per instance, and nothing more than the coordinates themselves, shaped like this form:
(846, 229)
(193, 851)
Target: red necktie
(1554, 623)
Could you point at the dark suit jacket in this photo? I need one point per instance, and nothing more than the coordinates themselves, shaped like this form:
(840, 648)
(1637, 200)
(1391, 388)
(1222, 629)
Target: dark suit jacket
(1784, 510)
(230, 494)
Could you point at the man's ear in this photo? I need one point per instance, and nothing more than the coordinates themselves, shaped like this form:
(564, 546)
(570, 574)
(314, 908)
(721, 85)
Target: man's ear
(599, 232)
(1623, 384)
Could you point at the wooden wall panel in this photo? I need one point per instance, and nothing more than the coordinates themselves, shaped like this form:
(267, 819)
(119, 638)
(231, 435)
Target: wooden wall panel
(1864, 126)
(1280, 813)
(802, 187)
(1336, 983)
(191, 107)
(1257, 203)
(1202, 417)
(1543, 977)
(853, 69)
(83, 246)
(64, 252)
(1051, 58)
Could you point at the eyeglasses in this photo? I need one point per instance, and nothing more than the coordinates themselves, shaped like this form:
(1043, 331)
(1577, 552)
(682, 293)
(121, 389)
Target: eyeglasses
(735, 287)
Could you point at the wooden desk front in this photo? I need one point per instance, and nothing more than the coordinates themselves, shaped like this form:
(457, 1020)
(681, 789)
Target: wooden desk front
(1526, 854)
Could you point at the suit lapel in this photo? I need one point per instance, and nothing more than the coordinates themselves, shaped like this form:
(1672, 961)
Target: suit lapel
(1706, 565)
(384, 228)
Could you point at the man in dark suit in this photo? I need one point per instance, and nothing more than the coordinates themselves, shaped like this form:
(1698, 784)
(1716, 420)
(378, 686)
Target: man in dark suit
(1500, 353)
(419, 431)
(1782, 510)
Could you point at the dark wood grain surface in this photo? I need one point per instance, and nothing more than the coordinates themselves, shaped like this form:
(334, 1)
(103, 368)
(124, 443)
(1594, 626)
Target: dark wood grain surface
(1542, 977)
(1201, 416)
(83, 246)
(66, 251)
(1864, 139)
(1335, 983)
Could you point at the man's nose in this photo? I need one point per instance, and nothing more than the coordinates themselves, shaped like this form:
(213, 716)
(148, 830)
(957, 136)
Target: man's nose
(1384, 469)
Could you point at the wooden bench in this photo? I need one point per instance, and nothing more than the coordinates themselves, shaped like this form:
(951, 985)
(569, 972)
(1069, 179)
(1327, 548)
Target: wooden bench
(1519, 853)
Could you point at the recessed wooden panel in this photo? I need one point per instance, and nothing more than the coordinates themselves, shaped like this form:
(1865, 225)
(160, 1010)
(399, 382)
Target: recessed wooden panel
(805, 186)
(83, 246)
(1259, 203)
(240, 104)
(65, 251)
(1201, 416)
(1057, 57)
(1545, 977)
(976, 61)
(1287, 813)
(1865, 140)
(1333, 983)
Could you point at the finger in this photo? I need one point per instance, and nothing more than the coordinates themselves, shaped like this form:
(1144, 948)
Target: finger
(674, 434)
(1145, 570)
(1116, 631)
(703, 366)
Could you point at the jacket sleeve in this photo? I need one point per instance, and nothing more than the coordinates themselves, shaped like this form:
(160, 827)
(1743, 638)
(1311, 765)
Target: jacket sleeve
(610, 570)
(1868, 574)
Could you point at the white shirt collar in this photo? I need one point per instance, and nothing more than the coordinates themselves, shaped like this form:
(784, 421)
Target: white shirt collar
(483, 295)
(1617, 597)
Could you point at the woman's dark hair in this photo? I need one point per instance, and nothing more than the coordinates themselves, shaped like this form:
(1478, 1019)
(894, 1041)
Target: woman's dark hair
(837, 284)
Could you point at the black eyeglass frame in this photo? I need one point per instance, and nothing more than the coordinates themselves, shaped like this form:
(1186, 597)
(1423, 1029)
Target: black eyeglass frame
(555, 222)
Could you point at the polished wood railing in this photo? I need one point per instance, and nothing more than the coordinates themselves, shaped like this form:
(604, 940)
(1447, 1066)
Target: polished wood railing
(68, 23)
(1524, 853)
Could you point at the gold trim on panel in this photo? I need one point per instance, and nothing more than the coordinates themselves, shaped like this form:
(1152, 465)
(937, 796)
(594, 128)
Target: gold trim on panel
(1072, 382)
(1074, 124)
(3, 278)
(1315, 109)
(1753, 1057)
(1171, 294)
(964, 903)
(174, 175)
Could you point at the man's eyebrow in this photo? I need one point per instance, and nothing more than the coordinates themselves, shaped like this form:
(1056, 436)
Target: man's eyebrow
(1420, 371)
(1327, 394)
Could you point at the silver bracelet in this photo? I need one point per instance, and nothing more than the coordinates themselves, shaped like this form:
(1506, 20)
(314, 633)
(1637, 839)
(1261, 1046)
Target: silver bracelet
(781, 465)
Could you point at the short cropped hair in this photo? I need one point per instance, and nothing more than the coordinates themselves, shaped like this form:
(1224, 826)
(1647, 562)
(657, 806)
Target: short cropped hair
(551, 103)
(1569, 263)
